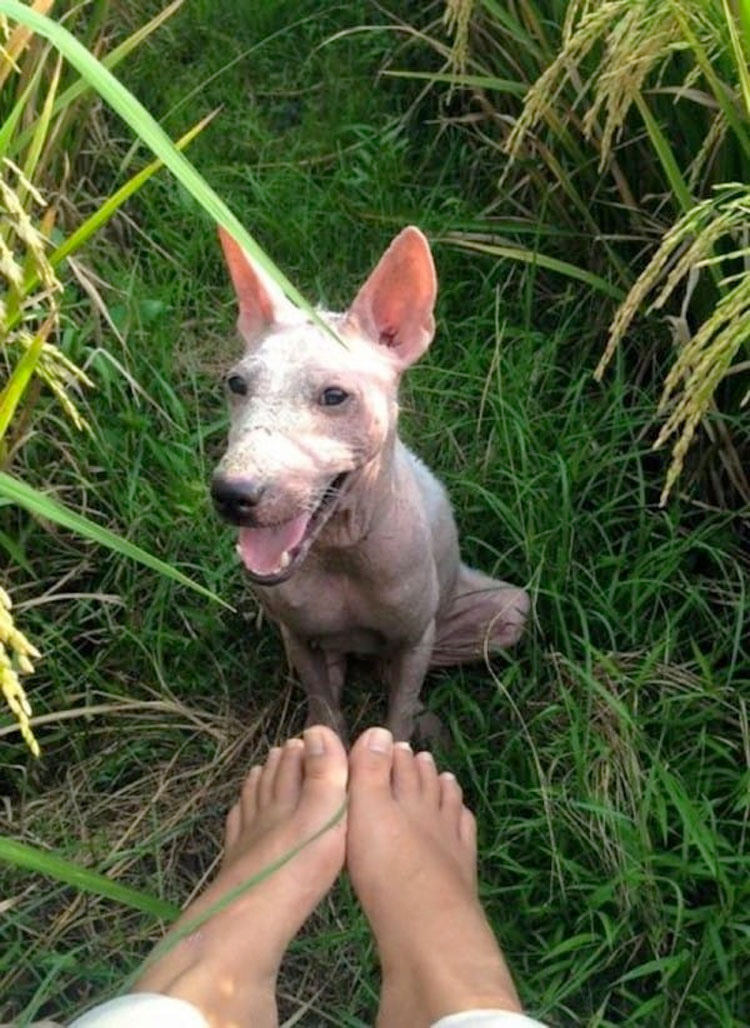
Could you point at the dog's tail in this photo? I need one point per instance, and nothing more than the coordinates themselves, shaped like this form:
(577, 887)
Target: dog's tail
(484, 615)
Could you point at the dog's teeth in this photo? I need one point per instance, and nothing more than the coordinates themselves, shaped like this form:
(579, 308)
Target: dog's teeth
(285, 561)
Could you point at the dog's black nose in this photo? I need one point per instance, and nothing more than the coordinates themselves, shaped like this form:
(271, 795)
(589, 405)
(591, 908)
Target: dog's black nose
(235, 498)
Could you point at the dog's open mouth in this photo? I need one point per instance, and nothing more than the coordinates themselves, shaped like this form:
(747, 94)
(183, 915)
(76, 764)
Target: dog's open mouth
(271, 553)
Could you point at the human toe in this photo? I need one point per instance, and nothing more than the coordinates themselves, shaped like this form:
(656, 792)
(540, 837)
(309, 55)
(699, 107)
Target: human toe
(287, 785)
(370, 762)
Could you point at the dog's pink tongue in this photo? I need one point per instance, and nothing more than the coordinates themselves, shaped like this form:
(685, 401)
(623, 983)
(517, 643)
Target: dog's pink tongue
(262, 549)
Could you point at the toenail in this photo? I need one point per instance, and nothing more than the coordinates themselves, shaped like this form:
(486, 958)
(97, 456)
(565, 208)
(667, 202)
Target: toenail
(379, 740)
(294, 744)
(426, 756)
(402, 746)
(315, 742)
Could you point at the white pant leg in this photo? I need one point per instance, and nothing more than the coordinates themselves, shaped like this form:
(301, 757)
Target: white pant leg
(144, 1010)
(487, 1019)
(150, 1010)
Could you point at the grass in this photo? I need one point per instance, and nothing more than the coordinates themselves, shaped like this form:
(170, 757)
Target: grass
(608, 759)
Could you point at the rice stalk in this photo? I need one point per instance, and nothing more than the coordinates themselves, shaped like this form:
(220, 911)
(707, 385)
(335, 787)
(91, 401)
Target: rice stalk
(16, 40)
(700, 367)
(711, 143)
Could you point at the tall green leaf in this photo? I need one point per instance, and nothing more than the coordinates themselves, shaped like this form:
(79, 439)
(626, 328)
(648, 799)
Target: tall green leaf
(110, 205)
(490, 82)
(16, 386)
(32, 859)
(720, 90)
(42, 127)
(739, 57)
(520, 253)
(42, 505)
(11, 122)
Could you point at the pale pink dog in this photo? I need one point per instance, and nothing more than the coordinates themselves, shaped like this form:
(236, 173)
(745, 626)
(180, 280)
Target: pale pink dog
(348, 538)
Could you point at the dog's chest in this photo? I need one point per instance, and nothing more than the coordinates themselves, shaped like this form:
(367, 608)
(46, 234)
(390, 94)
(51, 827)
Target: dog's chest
(345, 605)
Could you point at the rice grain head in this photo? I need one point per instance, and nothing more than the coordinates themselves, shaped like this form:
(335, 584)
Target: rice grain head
(23, 258)
(637, 39)
(15, 659)
(457, 21)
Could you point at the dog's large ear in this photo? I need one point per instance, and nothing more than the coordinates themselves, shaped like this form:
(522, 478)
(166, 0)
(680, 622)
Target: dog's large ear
(261, 302)
(394, 306)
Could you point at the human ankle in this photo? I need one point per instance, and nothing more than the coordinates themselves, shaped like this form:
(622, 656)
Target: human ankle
(446, 987)
(226, 994)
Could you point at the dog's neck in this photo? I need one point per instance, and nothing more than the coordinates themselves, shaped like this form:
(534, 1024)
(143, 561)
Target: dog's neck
(369, 492)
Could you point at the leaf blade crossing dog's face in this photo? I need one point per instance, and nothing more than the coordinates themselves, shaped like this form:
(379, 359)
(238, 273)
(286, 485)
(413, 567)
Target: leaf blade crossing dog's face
(308, 414)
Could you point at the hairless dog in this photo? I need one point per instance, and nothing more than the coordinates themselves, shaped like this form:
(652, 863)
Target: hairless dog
(348, 538)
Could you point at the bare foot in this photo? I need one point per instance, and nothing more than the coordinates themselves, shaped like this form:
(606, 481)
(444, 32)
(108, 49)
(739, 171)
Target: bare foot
(228, 967)
(411, 856)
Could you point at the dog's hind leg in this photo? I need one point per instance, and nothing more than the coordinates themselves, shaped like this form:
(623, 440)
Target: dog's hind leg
(483, 615)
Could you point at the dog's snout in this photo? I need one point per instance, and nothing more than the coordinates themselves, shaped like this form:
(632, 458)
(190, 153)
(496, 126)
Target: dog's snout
(236, 498)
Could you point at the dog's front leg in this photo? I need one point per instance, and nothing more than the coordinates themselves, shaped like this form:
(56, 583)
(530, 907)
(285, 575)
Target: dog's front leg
(322, 676)
(404, 674)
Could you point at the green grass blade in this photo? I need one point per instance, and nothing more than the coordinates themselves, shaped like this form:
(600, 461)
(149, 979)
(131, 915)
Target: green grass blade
(234, 893)
(52, 866)
(519, 253)
(111, 60)
(671, 168)
(139, 36)
(40, 504)
(9, 125)
(479, 81)
(722, 94)
(739, 57)
(14, 390)
(666, 156)
(500, 13)
(15, 552)
(147, 128)
(42, 126)
(744, 6)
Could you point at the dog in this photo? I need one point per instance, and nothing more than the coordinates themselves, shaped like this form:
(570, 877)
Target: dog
(348, 539)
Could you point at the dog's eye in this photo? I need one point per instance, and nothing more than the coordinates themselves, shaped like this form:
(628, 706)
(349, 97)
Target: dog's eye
(333, 397)
(237, 384)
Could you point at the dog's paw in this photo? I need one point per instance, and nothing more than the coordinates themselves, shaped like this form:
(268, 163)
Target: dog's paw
(430, 732)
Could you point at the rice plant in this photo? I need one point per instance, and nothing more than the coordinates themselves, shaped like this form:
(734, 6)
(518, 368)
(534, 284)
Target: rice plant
(638, 44)
(34, 143)
(658, 93)
(706, 355)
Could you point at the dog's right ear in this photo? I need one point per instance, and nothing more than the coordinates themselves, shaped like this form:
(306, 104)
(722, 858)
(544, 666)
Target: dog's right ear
(394, 308)
(262, 305)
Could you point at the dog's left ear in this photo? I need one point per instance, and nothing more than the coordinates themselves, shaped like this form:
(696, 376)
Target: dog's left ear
(394, 306)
